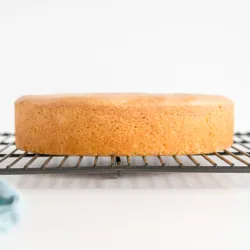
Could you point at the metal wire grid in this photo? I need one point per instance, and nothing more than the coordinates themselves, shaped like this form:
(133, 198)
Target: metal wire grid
(236, 159)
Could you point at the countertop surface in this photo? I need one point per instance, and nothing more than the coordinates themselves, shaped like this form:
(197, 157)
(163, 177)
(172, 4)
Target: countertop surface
(109, 217)
(138, 219)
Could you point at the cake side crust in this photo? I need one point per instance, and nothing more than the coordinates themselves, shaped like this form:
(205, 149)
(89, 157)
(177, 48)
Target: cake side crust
(89, 127)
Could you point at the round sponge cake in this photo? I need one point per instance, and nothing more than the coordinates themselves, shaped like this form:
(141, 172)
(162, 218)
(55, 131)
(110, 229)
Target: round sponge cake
(124, 124)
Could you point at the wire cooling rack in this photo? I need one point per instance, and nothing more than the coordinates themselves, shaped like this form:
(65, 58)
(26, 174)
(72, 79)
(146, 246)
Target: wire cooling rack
(235, 159)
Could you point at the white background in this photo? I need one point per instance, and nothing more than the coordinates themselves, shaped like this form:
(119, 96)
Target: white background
(143, 219)
(134, 46)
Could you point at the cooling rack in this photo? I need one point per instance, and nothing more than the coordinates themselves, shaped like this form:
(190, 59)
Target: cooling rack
(235, 159)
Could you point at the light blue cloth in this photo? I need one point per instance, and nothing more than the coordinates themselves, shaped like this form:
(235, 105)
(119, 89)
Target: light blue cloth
(11, 206)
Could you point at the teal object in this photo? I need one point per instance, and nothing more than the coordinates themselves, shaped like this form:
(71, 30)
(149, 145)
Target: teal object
(11, 206)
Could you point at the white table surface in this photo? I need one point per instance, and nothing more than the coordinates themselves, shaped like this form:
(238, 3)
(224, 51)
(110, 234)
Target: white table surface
(133, 219)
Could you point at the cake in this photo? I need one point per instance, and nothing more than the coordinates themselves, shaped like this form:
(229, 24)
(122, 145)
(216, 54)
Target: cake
(124, 124)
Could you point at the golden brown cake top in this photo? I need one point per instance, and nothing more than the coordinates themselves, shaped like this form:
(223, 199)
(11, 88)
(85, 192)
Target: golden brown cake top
(126, 99)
